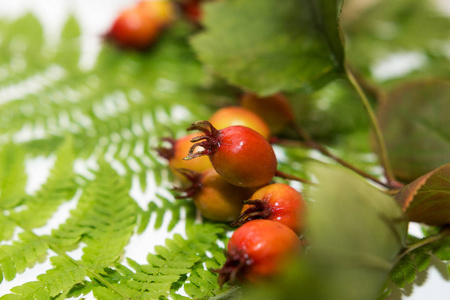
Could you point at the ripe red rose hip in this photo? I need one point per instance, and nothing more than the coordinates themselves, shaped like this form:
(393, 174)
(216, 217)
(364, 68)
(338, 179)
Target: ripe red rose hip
(277, 202)
(239, 154)
(216, 199)
(257, 250)
(133, 29)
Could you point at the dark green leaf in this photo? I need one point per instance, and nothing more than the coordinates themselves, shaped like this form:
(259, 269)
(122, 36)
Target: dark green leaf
(414, 120)
(269, 46)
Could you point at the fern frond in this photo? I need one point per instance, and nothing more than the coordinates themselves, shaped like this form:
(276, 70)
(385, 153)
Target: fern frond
(33, 290)
(104, 219)
(7, 227)
(12, 176)
(202, 283)
(60, 279)
(63, 277)
(22, 254)
(160, 213)
(167, 270)
(60, 186)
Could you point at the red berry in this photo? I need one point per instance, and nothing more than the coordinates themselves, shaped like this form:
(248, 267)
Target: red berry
(134, 29)
(239, 154)
(258, 249)
(216, 199)
(275, 110)
(277, 202)
(177, 151)
(234, 115)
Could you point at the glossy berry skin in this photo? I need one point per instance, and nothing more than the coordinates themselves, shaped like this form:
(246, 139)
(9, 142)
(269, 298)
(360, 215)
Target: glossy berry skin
(133, 29)
(234, 115)
(239, 154)
(257, 250)
(216, 199)
(275, 110)
(162, 11)
(276, 202)
(177, 151)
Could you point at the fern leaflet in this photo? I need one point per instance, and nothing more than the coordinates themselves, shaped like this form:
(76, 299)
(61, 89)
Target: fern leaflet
(21, 254)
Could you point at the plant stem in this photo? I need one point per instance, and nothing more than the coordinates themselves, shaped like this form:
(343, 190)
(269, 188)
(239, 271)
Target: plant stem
(292, 177)
(384, 159)
(311, 143)
(444, 233)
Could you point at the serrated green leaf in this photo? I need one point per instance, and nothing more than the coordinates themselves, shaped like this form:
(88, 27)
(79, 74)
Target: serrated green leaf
(298, 47)
(403, 272)
(427, 198)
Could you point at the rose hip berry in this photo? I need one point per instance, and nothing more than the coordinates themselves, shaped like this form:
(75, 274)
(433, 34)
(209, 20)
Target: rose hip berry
(216, 199)
(277, 202)
(234, 115)
(257, 250)
(239, 154)
(133, 29)
(177, 151)
(275, 110)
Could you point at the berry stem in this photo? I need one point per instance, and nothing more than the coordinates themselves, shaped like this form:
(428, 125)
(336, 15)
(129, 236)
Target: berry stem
(292, 177)
(190, 191)
(381, 145)
(258, 210)
(232, 266)
(311, 143)
(208, 141)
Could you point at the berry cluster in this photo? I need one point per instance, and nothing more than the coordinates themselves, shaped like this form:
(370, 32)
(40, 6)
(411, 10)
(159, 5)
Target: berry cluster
(227, 170)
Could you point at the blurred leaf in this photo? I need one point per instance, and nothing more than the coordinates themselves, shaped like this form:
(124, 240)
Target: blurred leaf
(401, 26)
(330, 112)
(427, 199)
(414, 120)
(269, 46)
(356, 231)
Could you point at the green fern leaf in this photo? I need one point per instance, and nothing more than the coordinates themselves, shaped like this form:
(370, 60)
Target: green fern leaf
(12, 176)
(60, 186)
(160, 212)
(169, 268)
(7, 227)
(63, 277)
(104, 219)
(21, 254)
(34, 290)
(54, 282)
